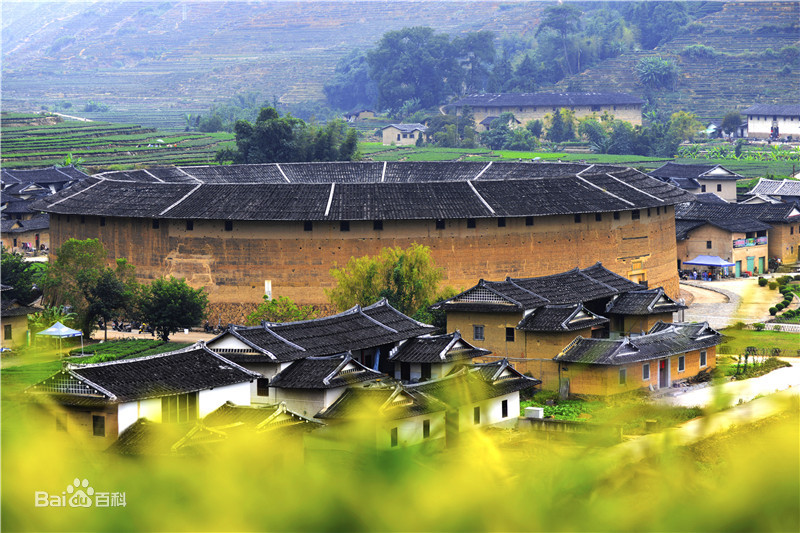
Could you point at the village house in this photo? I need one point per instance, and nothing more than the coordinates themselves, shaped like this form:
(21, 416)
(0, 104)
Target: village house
(368, 333)
(97, 402)
(385, 416)
(27, 235)
(359, 114)
(21, 187)
(403, 134)
(748, 235)
(274, 428)
(234, 229)
(432, 356)
(698, 179)
(309, 385)
(774, 191)
(530, 320)
(769, 120)
(539, 106)
(666, 354)
(478, 395)
(14, 332)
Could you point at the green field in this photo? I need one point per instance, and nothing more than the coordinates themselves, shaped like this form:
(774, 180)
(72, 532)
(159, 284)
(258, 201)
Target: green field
(29, 143)
(35, 141)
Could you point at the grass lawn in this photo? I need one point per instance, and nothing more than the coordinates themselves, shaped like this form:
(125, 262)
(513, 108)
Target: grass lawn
(739, 339)
(125, 349)
(631, 412)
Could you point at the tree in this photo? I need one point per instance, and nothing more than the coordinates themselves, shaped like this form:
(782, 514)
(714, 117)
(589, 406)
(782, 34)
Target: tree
(21, 276)
(407, 278)
(351, 85)
(276, 139)
(563, 19)
(80, 279)
(281, 309)
(414, 63)
(561, 128)
(169, 305)
(477, 55)
(731, 122)
(684, 125)
(655, 72)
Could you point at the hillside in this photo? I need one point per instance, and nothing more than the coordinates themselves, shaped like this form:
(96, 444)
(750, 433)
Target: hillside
(182, 56)
(741, 69)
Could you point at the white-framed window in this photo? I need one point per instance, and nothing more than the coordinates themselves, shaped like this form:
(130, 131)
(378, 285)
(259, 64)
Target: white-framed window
(681, 363)
(703, 358)
(504, 408)
(623, 376)
(646, 372)
(477, 332)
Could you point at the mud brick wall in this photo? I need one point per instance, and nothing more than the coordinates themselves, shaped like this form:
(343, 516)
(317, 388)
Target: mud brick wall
(234, 265)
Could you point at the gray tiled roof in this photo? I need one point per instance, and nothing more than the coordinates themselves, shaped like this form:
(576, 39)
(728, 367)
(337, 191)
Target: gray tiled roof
(694, 172)
(408, 127)
(382, 402)
(644, 302)
(364, 191)
(547, 99)
(437, 349)
(191, 369)
(790, 110)
(357, 328)
(663, 340)
(324, 373)
(729, 213)
(570, 317)
(476, 383)
(776, 187)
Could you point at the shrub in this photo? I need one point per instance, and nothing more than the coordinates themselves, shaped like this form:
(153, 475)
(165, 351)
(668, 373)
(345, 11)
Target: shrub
(773, 311)
(780, 306)
(762, 282)
(758, 326)
(773, 285)
(783, 280)
(699, 51)
(738, 325)
(797, 277)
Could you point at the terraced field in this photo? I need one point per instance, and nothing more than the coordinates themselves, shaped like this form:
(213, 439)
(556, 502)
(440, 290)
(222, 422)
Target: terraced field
(745, 66)
(28, 143)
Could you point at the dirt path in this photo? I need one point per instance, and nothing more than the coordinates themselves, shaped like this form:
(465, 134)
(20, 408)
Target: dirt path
(722, 303)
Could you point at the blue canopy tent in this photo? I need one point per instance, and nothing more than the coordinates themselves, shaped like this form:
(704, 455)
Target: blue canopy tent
(61, 331)
(709, 260)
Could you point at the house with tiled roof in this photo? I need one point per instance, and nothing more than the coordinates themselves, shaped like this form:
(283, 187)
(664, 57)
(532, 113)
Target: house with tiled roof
(403, 134)
(232, 228)
(774, 191)
(529, 320)
(778, 121)
(97, 402)
(432, 356)
(27, 234)
(698, 179)
(368, 334)
(311, 384)
(537, 106)
(14, 316)
(384, 415)
(748, 235)
(478, 395)
(21, 187)
(669, 352)
(274, 427)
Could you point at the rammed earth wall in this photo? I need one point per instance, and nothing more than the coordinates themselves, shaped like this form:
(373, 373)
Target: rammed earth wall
(234, 265)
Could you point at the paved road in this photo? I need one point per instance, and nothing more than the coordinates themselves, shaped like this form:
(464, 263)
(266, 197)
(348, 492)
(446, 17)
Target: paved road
(736, 392)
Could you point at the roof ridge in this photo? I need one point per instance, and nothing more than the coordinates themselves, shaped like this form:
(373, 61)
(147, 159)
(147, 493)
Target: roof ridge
(282, 339)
